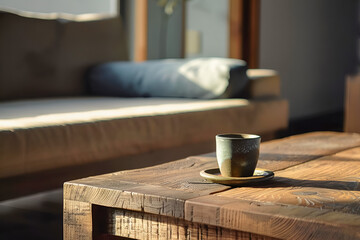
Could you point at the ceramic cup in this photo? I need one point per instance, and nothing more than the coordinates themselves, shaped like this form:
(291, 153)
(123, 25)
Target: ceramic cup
(237, 154)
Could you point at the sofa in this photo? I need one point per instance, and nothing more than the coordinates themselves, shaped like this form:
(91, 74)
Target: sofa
(52, 129)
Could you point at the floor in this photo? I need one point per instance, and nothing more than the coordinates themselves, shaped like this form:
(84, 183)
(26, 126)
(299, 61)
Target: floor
(325, 122)
(39, 216)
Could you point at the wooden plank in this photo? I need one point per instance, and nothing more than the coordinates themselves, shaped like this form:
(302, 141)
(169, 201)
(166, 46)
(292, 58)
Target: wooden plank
(283, 153)
(142, 191)
(322, 196)
(184, 174)
(314, 144)
(307, 193)
(171, 184)
(77, 220)
(141, 30)
(252, 33)
(279, 221)
(167, 175)
(244, 18)
(330, 182)
(148, 198)
(140, 225)
(236, 23)
(352, 104)
(151, 180)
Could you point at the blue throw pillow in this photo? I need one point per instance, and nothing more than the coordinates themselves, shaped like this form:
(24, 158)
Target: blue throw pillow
(204, 78)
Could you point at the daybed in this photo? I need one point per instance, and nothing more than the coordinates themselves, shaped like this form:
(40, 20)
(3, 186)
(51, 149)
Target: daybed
(52, 129)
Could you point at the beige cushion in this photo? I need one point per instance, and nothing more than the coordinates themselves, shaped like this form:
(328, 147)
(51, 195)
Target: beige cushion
(263, 83)
(44, 134)
(47, 55)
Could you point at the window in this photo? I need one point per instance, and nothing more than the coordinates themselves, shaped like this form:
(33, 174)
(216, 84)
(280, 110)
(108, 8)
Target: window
(237, 26)
(63, 6)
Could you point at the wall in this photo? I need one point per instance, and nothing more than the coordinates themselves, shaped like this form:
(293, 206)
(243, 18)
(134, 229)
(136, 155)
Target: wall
(313, 45)
(210, 19)
(164, 34)
(64, 6)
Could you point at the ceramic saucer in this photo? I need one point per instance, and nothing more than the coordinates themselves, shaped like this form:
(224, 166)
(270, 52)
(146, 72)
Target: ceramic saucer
(214, 175)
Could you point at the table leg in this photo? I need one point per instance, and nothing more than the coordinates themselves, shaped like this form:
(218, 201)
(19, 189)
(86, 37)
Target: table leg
(77, 217)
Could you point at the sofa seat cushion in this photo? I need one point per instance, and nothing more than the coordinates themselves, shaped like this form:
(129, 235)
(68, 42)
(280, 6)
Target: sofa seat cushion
(44, 134)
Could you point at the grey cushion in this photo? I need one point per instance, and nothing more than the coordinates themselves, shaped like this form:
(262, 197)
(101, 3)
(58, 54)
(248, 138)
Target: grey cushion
(204, 78)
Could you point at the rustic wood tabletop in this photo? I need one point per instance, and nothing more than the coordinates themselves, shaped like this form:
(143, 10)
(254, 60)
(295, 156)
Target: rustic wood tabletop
(315, 194)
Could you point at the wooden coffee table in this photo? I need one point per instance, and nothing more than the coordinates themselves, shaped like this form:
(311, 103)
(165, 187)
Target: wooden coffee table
(315, 194)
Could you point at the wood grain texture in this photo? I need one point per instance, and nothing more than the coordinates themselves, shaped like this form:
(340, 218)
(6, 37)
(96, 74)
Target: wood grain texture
(283, 153)
(141, 30)
(77, 220)
(314, 143)
(275, 220)
(244, 17)
(148, 198)
(184, 175)
(251, 32)
(330, 182)
(178, 180)
(315, 193)
(352, 104)
(236, 33)
(321, 195)
(139, 225)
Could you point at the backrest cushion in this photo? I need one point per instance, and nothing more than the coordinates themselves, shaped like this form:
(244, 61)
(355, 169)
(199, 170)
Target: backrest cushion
(204, 78)
(45, 55)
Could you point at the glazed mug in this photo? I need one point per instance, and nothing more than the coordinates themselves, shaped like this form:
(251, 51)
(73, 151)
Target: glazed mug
(237, 154)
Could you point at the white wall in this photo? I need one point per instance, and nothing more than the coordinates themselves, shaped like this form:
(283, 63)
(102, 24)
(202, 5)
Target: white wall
(63, 6)
(313, 45)
(164, 36)
(210, 19)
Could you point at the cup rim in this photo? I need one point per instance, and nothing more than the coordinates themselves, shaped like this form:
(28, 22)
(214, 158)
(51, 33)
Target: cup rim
(237, 136)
